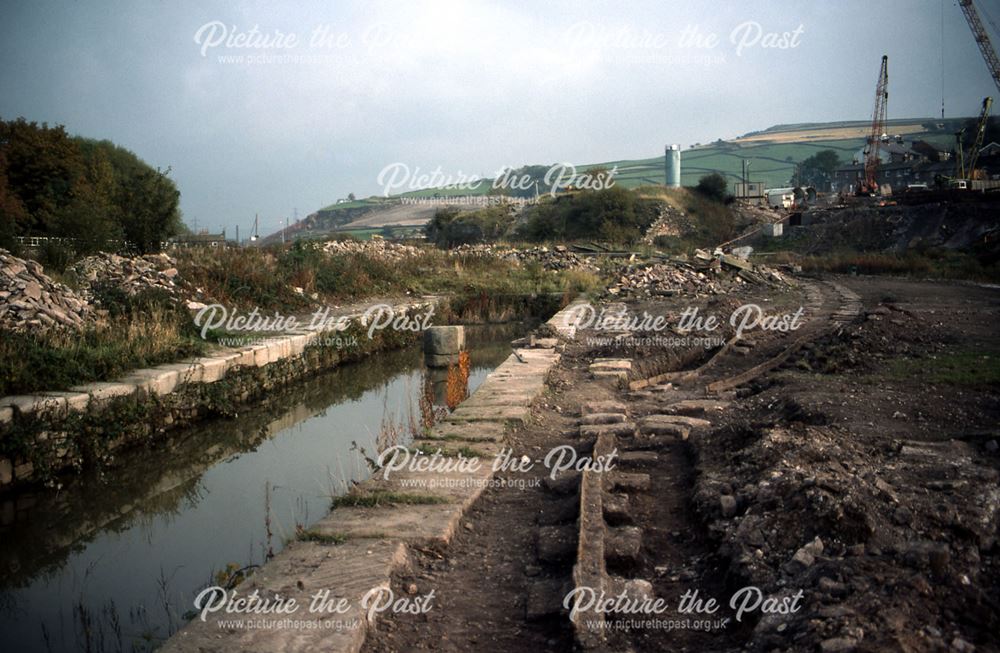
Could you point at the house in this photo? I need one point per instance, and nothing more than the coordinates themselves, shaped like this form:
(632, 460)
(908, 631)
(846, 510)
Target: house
(202, 239)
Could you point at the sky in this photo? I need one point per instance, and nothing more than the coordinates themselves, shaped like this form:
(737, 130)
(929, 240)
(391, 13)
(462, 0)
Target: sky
(280, 108)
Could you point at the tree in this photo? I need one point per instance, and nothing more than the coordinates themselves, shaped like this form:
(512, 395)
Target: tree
(92, 192)
(714, 186)
(351, 197)
(817, 170)
(42, 165)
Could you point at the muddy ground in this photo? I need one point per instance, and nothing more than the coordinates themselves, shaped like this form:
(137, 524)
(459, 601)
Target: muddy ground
(863, 472)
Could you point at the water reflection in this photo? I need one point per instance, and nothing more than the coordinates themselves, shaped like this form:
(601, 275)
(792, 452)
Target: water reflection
(120, 555)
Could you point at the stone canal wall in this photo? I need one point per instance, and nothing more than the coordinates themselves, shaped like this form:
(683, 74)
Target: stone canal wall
(50, 432)
(349, 557)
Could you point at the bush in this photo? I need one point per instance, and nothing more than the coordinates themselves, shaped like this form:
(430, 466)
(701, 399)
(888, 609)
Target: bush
(450, 227)
(615, 214)
(715, 187)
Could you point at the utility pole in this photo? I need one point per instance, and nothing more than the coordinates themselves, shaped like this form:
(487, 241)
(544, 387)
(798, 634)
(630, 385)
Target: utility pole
(237, 235)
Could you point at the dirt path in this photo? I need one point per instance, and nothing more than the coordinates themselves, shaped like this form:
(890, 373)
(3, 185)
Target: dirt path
(844, 426)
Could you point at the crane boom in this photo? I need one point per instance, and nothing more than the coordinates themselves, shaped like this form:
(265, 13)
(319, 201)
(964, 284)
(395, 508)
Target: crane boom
(982, 39)
(977, 142)
(870, 182)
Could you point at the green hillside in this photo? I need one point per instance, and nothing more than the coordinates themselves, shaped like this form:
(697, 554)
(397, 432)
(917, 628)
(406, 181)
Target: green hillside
(773, 154)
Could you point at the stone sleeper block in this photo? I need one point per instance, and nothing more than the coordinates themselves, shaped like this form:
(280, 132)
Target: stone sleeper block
(75, 401)
(420, 524)
(602, 418)
(31, 404)
(621, 429)
(348, 570)
(104, 391)
(690, 422)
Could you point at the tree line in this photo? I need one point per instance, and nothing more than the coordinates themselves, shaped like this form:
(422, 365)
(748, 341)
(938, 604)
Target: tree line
(94, 194)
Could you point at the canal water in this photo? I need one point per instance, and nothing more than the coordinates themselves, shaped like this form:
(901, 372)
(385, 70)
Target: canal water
(112, 561)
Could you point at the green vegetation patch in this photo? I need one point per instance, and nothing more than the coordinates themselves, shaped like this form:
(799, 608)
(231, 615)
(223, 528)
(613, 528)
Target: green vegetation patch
(963, 367)
(385, 497)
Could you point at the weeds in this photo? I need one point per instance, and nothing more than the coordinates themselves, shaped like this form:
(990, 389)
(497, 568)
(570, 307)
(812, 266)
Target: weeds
(56, 360)
(378, 498)
(466, 451)
(305, 535)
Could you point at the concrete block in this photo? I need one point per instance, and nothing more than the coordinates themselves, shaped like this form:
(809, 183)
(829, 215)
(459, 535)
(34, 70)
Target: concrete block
(638, 457)
(155, 380)
(616, 508)
(623, 544)
(186, 372)
(444, 340)
(620, 430)
(657, 427)
(261, 355)
(602, 418)
(101, 392)
(212, 369)
(75, 401)
(246, 357)
(31, 404)
(347, 571)
(440, 360)
(695, 407)
(626, 482)
(279, 349)
(297, 345)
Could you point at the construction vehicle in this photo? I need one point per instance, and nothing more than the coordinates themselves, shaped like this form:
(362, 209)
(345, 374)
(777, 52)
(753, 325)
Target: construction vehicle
(982, 39)
(977, 142)
(965, 165)
(868, 185)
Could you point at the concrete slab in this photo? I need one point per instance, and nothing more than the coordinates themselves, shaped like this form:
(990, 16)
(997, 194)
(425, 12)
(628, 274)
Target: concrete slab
(213, 368)
(423, 525)
(519, 414)
(621, 430)
(31, 404)
(106, 391)
(186, 372)
(75, 401)
(696, 407)
(475, 432)
(656, 427)
(457, 487)
(349, 571)
(602, 418)
(156, 380)
(690, 422)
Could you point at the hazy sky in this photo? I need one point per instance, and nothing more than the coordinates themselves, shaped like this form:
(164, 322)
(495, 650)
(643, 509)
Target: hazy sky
(466, 87)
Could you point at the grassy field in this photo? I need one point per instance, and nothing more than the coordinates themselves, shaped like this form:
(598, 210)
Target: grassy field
(773, 154)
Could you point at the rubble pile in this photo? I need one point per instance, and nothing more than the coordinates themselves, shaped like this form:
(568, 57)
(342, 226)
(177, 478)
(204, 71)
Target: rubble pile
(377, 249)
(132, 275)
(842, 517)
(555, 258)
(30, 300)
(670, 222)
(705, 275)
